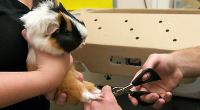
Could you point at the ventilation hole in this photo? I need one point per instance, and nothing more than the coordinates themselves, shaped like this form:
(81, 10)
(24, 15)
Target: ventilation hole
(108, 77)
(131, 29)
(160, 21)
(175, 40)
(137, 38)
(95, 19)
(126, 21)
(99, 28)
(167, 30)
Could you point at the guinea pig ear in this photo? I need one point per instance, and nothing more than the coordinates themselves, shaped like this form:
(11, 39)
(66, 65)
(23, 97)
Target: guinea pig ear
(66, 22)
(51, 28)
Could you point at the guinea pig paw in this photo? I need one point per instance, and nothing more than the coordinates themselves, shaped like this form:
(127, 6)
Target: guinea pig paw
(96, 91)
(98, 96)
(87, 96)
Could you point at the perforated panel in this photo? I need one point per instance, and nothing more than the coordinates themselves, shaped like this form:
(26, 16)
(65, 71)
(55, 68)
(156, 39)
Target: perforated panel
(134, 34)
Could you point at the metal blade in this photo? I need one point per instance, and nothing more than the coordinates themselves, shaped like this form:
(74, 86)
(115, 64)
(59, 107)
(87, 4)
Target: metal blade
(123, 90)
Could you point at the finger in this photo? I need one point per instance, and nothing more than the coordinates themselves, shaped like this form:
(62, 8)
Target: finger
(106, 88)
(133, 100)
(134, 88)
(141, 88)
(159, 103)
(80, 76)
(61, 99)
(96, 105)
(167, 97)
(151, 62)
(146, 76)
(87, 106)
(50, 95)
(106, 91)
(150, 98)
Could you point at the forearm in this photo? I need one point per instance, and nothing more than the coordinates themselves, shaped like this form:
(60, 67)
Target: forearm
(18, 86)
(188, 60)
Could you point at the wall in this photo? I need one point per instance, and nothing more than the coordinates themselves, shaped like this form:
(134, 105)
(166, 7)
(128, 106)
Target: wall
(143, 4)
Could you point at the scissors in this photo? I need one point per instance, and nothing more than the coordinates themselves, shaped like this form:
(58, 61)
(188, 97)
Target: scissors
(136, 81)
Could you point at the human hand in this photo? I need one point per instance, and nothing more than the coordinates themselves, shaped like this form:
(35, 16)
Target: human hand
(165, 66)
(108, 102)
(51, 68)
(60, 98)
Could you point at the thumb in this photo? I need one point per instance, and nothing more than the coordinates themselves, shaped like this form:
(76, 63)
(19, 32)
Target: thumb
(106, 90)
(87, 106)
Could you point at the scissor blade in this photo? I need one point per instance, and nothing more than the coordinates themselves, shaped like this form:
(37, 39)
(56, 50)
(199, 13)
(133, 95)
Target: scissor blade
(123, 90)
(138, 80)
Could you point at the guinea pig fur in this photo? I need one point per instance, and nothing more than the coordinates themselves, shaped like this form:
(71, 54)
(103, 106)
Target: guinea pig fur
(54, 30)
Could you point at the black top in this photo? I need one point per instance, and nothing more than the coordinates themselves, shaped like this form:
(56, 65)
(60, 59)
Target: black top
(13, 49)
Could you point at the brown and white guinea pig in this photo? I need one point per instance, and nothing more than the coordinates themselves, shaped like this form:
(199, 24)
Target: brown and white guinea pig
(54, 30)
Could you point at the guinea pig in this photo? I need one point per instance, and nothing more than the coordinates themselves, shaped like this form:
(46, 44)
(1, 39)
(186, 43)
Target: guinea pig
(54, 30)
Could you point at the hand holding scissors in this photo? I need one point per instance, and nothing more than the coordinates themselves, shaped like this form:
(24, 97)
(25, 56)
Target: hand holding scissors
(138, 80)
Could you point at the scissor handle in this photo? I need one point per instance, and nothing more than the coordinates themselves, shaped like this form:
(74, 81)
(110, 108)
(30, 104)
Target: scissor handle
(137, 94)
(153, 76)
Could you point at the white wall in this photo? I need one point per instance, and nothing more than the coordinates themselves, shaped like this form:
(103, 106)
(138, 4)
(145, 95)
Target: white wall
(164, 4)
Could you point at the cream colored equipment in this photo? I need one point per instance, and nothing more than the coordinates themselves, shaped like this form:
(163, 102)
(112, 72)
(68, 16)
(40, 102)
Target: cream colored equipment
(120, 40)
